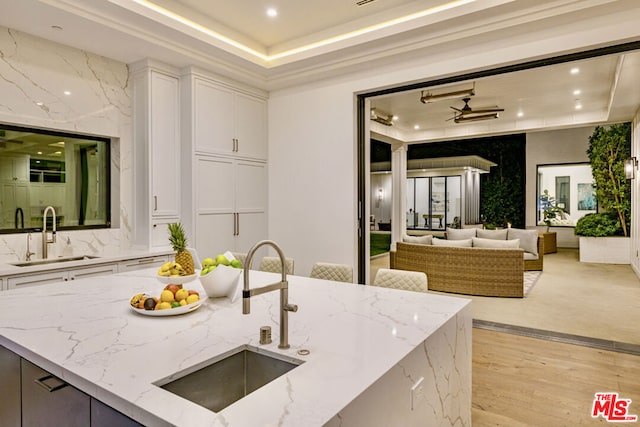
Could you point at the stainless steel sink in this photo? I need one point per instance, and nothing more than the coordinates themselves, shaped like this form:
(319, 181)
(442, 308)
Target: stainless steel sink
(228, 380)
(52, 261)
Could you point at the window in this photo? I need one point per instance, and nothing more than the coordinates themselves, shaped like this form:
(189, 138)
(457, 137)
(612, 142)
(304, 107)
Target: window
(433, 203)
(566, 193)
(41, 168)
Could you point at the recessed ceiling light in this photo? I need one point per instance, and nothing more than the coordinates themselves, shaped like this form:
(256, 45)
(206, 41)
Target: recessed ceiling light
(39, 103)
(66, 92)
(520, 114)
(39, 152)
(577, 92)
(272, 12)
(416, 127)
(575, 70)
(578, 106)
(394, 118)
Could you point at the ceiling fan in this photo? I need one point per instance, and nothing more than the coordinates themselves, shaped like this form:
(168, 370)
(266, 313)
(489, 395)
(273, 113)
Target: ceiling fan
(468, 114)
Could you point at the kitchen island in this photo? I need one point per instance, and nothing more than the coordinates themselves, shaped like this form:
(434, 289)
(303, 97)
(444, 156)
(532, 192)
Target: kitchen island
(368, 348)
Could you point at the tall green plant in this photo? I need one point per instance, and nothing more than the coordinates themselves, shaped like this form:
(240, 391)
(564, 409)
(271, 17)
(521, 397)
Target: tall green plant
(608, 148)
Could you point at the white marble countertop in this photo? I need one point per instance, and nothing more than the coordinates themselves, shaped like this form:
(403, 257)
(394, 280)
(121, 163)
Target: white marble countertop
(86, 333)
(8, 269)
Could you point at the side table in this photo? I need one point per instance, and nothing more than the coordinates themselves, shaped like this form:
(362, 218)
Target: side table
(550, 242)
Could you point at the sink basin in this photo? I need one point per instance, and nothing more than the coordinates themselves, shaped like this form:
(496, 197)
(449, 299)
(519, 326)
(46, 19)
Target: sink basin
(53, 260)
(228, 380)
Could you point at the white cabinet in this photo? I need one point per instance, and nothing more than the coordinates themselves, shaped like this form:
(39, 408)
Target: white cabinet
(226, 120)
(37, 279)
(231, 207)
(97, 270)
(156, 150)
(164, 144)
(14, 191)
(138, 264)
(14, 168)
(62, 275)
(14, 195)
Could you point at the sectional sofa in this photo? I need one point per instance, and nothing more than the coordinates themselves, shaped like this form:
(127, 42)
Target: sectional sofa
(494, 266)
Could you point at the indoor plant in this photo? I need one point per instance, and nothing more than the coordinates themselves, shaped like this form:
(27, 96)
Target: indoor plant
(608, 148)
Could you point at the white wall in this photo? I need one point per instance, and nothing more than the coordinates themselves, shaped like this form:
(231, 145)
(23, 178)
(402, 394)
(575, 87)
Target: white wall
(36, 70)
(311, 198)
(554, 147)
(382, 209)
(312, 133)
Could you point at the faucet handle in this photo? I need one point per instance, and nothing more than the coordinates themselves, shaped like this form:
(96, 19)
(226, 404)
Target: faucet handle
(290, 307)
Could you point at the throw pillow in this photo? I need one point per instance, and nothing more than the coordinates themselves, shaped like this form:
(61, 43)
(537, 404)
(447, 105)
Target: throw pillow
(461, 243)
(528, 239)
(421, 240)
(492, 234)
(460, 233)
(479, 242)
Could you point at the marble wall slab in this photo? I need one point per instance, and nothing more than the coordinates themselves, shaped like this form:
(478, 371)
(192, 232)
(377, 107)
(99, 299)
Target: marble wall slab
(34, 75)
(442, 399)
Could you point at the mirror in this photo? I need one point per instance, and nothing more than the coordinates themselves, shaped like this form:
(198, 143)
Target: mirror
(41, 168)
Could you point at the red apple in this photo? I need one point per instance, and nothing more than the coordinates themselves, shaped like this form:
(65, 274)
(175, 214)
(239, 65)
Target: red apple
(173, 288)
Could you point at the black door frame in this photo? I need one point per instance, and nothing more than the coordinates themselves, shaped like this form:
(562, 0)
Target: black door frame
(363, 140)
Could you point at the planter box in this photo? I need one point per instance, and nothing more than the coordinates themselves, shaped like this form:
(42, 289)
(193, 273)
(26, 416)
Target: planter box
(605, 250)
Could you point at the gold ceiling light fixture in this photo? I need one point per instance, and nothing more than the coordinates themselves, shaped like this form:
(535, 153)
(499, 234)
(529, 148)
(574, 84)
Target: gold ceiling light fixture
(475, 118)
(380, 117)
(429, 97)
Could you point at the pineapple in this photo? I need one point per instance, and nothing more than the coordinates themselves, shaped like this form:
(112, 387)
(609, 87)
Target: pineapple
(178, 241)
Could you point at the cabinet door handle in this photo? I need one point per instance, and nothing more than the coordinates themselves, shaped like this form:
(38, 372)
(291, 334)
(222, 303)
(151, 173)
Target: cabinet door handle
(50, 388)
(235, 224)
(238, 222)
(155, 203)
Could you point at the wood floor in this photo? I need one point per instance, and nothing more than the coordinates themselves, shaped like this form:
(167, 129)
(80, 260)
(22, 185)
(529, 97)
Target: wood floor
(522, 381)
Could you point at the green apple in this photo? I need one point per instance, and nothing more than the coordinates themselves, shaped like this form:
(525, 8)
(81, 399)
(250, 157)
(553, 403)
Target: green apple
(236, 263)
(207, 262)
(221, 259)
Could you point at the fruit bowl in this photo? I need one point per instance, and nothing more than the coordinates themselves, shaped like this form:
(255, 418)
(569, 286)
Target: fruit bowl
(177, 280)
(223, 281)
(170, 311)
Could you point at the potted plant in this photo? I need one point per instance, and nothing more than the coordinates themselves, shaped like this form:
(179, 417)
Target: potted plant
(550, 209)
(608, 148)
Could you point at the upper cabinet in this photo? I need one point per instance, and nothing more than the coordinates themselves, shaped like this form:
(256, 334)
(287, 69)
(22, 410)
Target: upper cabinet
(156, 150)
(164, 144)
(15, 169)
(226, 120)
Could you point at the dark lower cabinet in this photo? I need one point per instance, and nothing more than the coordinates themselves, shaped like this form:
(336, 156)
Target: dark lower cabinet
(9, 388)
(105, 416)
(49, 401)
(31, 396)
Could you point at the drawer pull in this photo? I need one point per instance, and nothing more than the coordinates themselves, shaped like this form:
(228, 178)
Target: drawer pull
(59, 383)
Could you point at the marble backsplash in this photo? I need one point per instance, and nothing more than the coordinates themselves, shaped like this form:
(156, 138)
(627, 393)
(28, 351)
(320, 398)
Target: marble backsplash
(34, 75)
(104, 242)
